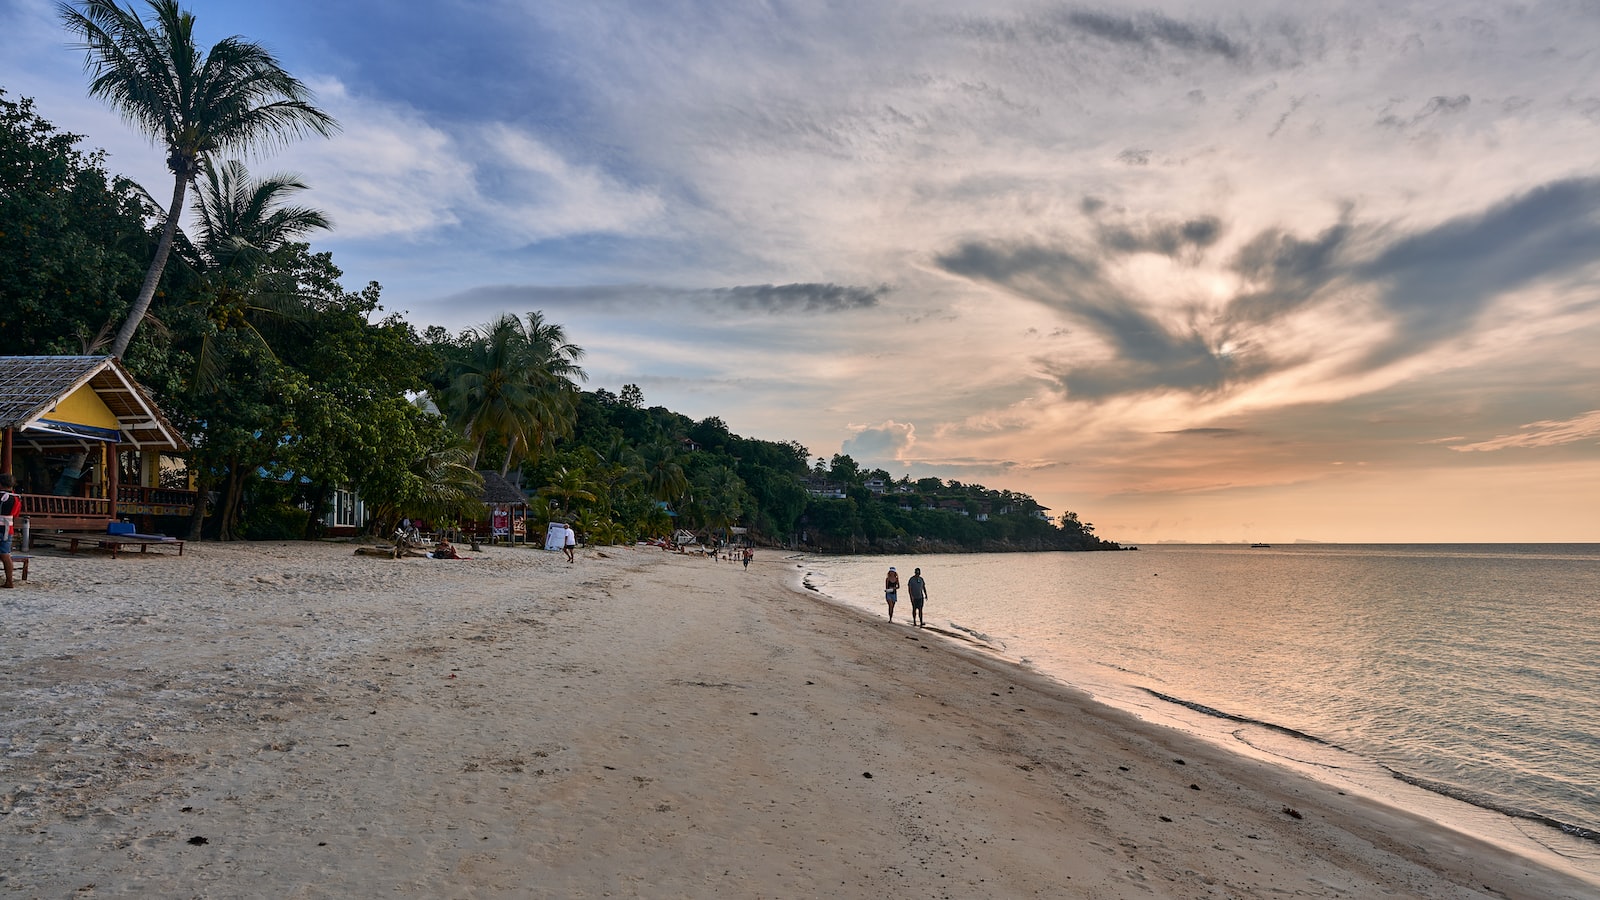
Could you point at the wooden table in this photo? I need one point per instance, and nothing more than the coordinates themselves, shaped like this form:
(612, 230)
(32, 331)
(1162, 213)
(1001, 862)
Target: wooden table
(113, 542)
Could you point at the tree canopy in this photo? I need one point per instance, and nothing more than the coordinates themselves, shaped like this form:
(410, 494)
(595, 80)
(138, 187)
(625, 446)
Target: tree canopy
(198, 103)
(289, 387)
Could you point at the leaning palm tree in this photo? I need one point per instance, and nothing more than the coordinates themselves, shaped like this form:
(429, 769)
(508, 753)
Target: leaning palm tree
(234, 96)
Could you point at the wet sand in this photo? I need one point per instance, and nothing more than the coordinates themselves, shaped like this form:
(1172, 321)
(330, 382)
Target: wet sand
(290, 720)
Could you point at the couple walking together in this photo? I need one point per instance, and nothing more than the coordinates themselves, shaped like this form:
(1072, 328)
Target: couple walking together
(918, 589)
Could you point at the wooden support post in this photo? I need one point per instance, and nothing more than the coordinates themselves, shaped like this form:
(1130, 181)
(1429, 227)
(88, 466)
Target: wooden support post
(113, 475)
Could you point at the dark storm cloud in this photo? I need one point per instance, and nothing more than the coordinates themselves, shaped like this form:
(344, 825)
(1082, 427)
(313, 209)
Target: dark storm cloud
(1436, 283)
(1147, 354)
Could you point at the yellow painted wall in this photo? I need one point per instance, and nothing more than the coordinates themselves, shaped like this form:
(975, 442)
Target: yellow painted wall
(83, 407)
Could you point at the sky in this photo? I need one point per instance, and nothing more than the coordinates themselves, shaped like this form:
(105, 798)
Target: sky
(1245, 270)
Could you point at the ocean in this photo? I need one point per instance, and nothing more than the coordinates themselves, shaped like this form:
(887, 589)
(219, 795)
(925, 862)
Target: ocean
(1461, 681)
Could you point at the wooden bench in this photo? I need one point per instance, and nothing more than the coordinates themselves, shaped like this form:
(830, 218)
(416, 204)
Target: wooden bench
(112, 542)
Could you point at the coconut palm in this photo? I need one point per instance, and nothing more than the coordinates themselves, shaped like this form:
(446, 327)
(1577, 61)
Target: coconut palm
(242, 223)
(722, 495)
(515, 381)
(614, 468)
(663, 475)
(234, 96)
(552, 362)
(568, 485)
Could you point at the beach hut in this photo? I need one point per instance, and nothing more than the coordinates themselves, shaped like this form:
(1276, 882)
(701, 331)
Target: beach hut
(87, 444)
(508, 507)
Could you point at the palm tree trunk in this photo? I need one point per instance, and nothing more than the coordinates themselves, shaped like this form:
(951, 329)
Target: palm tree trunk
(152, 276)
(511, 447)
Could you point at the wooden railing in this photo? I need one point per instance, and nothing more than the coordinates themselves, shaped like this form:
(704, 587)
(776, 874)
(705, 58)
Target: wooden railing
(47, 511)
(135, 500)
(77, 513)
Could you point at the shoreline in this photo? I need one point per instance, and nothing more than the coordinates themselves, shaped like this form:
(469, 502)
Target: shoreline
(639, 724)
(1539, 838)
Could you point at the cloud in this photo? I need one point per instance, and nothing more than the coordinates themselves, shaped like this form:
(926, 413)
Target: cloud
(772, 299)
(1585, 427)
(805, 298)
(884, 443)
(1146, 353)
(1436, 282)
(1283, 273)
(1170, 238)
(1150, 30)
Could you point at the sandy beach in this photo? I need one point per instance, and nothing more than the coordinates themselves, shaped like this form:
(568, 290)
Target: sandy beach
(292, 720)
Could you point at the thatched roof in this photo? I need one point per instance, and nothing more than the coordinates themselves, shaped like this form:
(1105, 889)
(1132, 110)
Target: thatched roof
(496, 489)
(31, 387)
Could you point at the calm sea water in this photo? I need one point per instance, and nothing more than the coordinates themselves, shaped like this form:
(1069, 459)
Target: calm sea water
(1471, 671)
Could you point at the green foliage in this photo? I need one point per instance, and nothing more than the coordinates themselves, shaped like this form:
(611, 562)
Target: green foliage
(72, 238)
(288, 387)
(196, 102)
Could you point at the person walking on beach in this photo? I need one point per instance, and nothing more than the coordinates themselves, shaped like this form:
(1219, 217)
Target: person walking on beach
(10, 508)
(569, 542)
(891, 590)
(748, 555)
(919, 593)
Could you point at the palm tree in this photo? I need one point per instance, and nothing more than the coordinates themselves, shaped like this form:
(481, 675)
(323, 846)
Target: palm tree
(722, 496)
(233, 96)
(552, 362)
(515, 381)
(614, 468)
(662, 474)
(568, 485)
(242, 223)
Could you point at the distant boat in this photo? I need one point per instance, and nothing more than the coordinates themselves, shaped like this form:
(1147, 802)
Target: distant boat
(1256, 546)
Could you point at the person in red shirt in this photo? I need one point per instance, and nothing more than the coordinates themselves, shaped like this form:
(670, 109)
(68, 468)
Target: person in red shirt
(10, 509)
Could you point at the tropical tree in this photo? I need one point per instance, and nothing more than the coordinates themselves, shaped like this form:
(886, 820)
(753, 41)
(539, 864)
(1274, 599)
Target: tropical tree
(568, 485)
(552, 360)
(722, 497)
(514, 381)
(245, 253)
(242, 221)
(663, 475)
(234, 96)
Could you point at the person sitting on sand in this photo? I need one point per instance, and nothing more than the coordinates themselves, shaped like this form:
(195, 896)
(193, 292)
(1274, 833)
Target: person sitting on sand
(891, 590)
(443, 550)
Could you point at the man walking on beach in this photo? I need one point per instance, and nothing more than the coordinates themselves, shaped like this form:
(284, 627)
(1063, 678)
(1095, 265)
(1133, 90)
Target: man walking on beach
(891, 590)
(748, 555)
(569, 542)
(919, 593)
